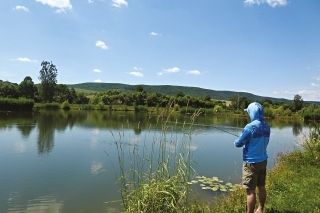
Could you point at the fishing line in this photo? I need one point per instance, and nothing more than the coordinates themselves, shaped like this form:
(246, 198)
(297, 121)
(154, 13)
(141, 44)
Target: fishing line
(206, 125)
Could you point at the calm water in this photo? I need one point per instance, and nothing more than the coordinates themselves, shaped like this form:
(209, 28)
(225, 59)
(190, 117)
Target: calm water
(56, 161)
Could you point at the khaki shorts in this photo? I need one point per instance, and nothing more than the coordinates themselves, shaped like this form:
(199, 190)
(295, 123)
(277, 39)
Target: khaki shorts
(254, 174)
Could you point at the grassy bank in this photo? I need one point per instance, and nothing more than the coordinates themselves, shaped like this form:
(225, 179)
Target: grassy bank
(293, 185)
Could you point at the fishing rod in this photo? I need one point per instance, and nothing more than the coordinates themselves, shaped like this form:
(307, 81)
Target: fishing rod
(207, 125)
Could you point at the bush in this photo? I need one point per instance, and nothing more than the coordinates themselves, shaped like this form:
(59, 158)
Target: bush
(311, 116)
(65, 105)
(101, 105)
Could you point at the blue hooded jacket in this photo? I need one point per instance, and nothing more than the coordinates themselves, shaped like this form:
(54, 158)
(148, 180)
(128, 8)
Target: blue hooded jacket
(255, 136)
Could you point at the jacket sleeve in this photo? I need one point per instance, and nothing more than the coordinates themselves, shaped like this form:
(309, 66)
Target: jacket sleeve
(243, 138)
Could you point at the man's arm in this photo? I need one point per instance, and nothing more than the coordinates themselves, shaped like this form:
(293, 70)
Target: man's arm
(243, 138)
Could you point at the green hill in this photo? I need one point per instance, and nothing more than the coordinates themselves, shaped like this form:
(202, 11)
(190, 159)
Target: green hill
(173, 90)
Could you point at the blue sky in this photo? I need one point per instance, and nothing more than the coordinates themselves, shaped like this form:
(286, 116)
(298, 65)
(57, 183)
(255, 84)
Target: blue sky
(265, 47)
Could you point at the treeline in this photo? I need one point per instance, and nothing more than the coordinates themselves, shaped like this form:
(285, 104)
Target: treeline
(139, 97)
(60, 95)
(28, 90)
(48, 91)
(140, 100)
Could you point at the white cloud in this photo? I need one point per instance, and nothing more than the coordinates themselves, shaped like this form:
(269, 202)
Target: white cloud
(90, 1)
(272, 3)
(137, 68)
(314, 85)
(137, 74)
(194, 72)
(172, 70)
(155, 34)
(119, 3)
(24, 60)
(98, 81)
(96, 70)
(102, 45)
(318, 78)
(62, 5)
(307, 95)
(18, 7)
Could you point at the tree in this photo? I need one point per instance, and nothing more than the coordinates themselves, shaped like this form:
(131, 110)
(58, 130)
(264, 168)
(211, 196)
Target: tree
(139, 88)
(234, 101)
(9, 90)
(207, 98)
(62, 93)
(180, 94)
(297, 102)
(82, 99)
(74, 96)
(27, 88)
(48, 78)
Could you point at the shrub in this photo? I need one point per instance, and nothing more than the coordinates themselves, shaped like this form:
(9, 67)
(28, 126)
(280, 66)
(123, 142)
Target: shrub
(65, 105)
(101, 105)
(311, 116)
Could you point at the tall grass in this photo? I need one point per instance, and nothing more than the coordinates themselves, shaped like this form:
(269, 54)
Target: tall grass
(51, 106)
(12, 104)
(153, 175)
(192, 110)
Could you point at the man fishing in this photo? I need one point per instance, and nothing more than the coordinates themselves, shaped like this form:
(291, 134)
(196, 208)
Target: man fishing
(254, 140)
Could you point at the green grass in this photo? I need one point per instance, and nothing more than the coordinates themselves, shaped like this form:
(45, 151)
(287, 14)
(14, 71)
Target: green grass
(85, 91)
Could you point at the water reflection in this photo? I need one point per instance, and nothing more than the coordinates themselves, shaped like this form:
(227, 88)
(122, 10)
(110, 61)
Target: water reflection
(96, 167)
(20, 147)
(296, 128)
(45, 204)
(25, 122)
(46, 127)
(26, 129)
(48, 122)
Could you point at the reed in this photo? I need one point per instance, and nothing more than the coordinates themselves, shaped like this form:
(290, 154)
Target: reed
(12, 104)
(51, 106)
(154, 172)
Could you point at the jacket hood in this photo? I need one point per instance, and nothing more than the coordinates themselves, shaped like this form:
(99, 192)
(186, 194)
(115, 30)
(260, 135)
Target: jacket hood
(255, 111)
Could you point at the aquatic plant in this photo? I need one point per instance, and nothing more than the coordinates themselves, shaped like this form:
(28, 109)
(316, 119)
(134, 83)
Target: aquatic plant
(214, 184)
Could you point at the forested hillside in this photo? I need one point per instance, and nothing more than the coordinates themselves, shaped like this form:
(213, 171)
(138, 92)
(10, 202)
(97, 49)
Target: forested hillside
(173, 90)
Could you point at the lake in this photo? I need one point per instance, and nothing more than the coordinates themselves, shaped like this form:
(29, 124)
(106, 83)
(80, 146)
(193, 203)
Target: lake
(56, 161)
